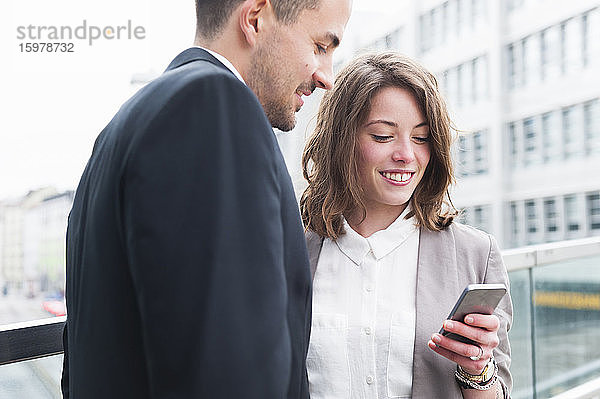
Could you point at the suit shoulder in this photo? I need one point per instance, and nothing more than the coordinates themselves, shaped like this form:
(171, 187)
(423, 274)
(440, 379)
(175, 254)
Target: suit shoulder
(204, 74)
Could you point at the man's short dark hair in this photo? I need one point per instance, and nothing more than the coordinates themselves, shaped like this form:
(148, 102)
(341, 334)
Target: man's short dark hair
(211, 15)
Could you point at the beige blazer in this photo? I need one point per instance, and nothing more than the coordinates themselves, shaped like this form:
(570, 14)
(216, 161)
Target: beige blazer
(447, 262)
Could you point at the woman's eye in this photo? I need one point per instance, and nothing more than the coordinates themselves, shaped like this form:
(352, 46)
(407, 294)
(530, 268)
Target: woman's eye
(321, 49)
(421, 139)
(380, 138)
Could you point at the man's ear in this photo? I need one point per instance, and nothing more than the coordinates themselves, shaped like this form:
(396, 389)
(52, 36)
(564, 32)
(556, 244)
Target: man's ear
(254, 16)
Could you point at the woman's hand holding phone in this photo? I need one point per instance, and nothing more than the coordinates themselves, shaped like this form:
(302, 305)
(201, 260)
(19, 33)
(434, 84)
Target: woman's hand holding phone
(482, 329)
(470, 334)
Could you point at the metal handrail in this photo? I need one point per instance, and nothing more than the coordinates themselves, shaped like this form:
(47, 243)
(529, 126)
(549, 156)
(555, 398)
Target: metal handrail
(31, 340)
(589, 390)
(543, 254)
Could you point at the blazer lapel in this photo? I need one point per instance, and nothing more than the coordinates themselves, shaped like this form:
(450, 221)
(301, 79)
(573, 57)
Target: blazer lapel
(436, 288)
(314, 243)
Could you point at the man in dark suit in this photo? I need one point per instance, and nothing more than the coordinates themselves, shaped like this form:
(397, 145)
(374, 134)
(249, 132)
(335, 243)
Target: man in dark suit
(187, 272)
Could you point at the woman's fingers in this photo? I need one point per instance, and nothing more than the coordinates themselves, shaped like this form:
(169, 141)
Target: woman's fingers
(481, 335)
(459, 355)
(489, 322)
(482, 329)
(460, 348)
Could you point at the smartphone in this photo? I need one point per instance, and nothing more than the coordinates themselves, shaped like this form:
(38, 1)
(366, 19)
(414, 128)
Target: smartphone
(475, 298)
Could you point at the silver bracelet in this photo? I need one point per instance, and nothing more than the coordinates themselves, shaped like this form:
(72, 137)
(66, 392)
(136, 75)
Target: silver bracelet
(468, 384)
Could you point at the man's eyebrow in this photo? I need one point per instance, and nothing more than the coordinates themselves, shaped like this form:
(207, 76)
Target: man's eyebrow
(333, 38)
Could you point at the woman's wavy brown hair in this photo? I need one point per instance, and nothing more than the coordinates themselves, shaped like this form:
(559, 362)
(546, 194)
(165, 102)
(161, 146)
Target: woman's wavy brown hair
(329, 161)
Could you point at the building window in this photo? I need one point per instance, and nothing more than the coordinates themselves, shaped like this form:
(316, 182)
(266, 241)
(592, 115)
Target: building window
(472, 154)
(584, 39)
(514, 220)
(451, 92)
(551, 53)
(481, 88)
(511, 66)
(480, 152)
(572, 45)
(445, 21)
(525, 50)
(550, 215)
(463, 215)
(481, 217)
(530, 149)
(593, 200)
(572, 131)
(467, 83)
(476, 80)
(462, 156)
(551, 136)
(591, 126)
(513, 143)
(530, 214)
(476, 216)
(571, 213)
(592, 34)
(459, 16)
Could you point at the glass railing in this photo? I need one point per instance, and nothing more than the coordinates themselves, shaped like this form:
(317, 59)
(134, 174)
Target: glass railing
(556, 328)
(555, 336)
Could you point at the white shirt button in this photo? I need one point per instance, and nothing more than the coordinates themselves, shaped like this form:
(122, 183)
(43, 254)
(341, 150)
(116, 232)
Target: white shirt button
(368, 288)
(370, 379)
(368, 330)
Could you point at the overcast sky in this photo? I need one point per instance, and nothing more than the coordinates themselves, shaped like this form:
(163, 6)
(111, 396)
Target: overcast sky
(55, 104)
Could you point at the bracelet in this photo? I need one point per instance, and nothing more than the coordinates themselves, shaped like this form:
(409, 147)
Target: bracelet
(470, 381)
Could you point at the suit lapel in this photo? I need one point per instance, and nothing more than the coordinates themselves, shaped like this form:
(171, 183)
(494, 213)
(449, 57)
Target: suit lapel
(436, 286)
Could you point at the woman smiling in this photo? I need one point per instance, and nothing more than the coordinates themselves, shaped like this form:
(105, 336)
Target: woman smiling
(387, 257)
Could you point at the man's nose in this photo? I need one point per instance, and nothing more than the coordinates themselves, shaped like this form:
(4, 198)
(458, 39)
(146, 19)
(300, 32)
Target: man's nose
(323, 76)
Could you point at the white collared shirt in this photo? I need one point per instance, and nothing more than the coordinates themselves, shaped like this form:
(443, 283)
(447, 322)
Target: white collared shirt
(225, 62)
(363, 327)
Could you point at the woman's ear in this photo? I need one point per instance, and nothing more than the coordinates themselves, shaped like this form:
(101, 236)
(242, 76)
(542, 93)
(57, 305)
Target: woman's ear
(253, 17)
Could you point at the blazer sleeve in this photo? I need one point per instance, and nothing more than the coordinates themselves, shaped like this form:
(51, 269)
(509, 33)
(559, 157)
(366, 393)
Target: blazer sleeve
(204, 238)
(496, 273)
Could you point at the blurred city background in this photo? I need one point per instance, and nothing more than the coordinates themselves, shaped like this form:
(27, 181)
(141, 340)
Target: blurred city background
(522, 81)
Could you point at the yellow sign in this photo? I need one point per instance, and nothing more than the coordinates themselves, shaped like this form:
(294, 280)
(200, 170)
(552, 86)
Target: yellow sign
(568, 300)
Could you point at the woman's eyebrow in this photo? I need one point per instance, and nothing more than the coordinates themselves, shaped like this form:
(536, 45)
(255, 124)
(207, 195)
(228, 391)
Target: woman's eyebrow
(392, 124)
(385, 122)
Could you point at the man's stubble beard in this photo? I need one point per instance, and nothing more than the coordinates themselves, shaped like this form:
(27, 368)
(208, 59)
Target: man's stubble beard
(264, 81)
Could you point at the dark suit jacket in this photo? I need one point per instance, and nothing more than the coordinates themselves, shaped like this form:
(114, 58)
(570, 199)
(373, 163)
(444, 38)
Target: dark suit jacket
(187, 271)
